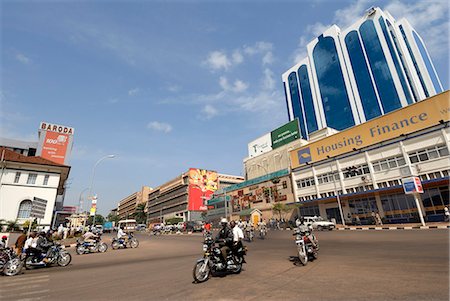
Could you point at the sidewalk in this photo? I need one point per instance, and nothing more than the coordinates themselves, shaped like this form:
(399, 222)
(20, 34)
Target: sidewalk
(416, 226)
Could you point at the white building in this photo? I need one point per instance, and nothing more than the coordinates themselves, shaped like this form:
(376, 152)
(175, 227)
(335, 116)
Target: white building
(366, 165)
(350, 76)
(24, 179)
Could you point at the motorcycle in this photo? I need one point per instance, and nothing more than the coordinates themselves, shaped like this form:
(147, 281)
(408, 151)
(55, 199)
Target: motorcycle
(57, 255)
(306, 250)
(212, 261)
(86, 247)
(249, 235)
(262, 233)
(10, 263)
(132, 242)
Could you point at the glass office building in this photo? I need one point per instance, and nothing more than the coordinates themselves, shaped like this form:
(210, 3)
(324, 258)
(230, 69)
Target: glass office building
(350, 76)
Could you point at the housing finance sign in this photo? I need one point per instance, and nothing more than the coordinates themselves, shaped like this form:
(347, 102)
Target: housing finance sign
(55, 142)
(412, 118)
(202, 184)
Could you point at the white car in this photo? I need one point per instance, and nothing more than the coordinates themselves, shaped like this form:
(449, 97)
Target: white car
(319, 223)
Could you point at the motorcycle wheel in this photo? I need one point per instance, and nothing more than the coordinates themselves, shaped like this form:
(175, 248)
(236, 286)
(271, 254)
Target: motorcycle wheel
(79, 250)
(64, 259)
(13, 267)
(29, 262)
(315, 254)
(134, 243)
(102, 247)
(302, 255)
(199, 275)
(115, 245)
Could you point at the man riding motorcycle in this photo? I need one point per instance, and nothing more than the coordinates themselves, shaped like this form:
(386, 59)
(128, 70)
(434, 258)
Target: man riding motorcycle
(238, 235)
(44, 242)
(121, 235)
(304, 228)
(89, 237)
(224, 238)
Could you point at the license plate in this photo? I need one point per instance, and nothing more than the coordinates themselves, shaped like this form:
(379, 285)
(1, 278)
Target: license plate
(298, 241)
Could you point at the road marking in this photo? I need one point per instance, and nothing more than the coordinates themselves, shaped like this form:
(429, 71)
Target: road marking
(27, 279)
(12, 285)
(408, 228)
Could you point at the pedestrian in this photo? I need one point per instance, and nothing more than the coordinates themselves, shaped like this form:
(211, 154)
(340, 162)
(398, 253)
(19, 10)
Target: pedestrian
(374, 221)
(66, 232)
(378, 218)
(20, 242)
(60, 230)
(446, 214)
(358, 221)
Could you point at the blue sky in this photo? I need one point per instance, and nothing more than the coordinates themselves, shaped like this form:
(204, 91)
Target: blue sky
(167, 86)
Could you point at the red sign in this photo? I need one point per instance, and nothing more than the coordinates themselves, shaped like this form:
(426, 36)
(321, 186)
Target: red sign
(54, 147)
(202, 184)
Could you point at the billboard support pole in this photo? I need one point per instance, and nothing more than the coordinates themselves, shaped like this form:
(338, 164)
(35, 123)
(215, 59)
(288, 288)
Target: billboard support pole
(336, 193)
(419, 208)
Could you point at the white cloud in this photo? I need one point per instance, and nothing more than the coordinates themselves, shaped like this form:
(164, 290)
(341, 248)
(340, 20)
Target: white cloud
(237, 57)
(267, 58)
(218, 60)
(209, 111)
(133, 92)
(269, 81)
(237, 87)
(22, 58)
(174, 88)
(159, 126)
(258, 47)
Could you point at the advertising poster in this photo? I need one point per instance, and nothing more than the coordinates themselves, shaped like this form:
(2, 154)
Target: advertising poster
(54, 147)
(202, 184)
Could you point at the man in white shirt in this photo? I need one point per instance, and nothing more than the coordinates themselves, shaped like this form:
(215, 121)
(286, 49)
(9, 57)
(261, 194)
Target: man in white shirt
(237, 233)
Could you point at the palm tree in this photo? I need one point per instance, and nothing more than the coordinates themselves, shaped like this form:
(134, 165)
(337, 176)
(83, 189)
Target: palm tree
(140, 216)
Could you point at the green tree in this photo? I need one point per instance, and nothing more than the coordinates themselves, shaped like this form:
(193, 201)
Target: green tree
(280, 209)
(113, 218)
(140, 216)
(12, 225)
(99, 220)
(26, 224)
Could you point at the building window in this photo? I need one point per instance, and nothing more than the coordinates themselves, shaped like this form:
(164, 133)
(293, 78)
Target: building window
(295, 101)
(24, 209)
(327, 177)
(17, 178)
(428, 64)
(380, 69)
(335, 100)
(31, 178)
(425, 90)
(308, 104)
(305, 182)
(356, 171)
(362, 76)
(428, 153)
(46, 179)
(388, 163)
(396, 61)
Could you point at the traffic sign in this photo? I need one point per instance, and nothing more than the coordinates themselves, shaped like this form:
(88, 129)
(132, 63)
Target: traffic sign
(38, 207)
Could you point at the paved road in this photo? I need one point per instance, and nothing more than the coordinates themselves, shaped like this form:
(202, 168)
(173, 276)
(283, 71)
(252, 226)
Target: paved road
(356, 265)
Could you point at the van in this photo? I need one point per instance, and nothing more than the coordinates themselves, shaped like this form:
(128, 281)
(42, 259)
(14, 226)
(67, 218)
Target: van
(129, 225)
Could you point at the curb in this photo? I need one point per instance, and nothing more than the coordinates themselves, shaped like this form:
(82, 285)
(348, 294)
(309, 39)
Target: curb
(393, 228)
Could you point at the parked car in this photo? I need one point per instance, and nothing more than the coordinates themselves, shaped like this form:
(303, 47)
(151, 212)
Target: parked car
(141, 227)
(319, 223)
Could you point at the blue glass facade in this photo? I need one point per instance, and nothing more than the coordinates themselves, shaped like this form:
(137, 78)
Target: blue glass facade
(336, 104)
(398, 68)
(308, 104)
(366, 90)
(428, 64)
(380, 69)
(419, 74)
(295, 99)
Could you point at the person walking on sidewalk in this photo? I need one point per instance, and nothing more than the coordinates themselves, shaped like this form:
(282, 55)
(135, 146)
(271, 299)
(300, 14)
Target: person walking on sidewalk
(378, 218)
(446, 214)
(374, 220)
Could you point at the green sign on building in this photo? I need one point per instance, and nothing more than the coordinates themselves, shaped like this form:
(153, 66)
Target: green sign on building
(285, 134)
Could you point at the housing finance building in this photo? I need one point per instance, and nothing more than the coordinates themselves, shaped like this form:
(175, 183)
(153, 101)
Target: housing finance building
(351, 76)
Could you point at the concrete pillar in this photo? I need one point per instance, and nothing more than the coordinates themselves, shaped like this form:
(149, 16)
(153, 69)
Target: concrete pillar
(379, 205)
(322, 210)
(372, 171)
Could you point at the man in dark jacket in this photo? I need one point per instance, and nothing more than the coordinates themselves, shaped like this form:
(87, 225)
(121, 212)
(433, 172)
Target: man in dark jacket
(224, 238)
(20, 242)
(44, 243)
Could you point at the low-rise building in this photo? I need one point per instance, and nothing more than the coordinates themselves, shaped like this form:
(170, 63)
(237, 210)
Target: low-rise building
(186, 195)
(25, 179)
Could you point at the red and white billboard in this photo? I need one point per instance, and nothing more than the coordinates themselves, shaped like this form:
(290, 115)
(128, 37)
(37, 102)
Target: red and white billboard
(55, 142)
(202, 184)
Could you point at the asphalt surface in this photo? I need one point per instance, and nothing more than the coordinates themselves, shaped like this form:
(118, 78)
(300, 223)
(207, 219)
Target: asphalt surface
(353, 265)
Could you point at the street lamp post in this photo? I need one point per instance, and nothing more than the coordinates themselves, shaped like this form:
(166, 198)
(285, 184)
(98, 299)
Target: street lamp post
(80, 200)
(92, 178)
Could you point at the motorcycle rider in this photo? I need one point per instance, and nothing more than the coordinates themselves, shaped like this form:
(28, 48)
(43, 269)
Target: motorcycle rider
(238, 235)
(89, 237)
(224, 238)
(307, 230)
(44, 242)
(122, 236)
(262, 225)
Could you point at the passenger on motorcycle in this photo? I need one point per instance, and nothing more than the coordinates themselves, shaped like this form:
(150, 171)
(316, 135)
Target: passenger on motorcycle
(238, 235)
(307, 230)
(43, 245)
(89, 237)
(262, 225)
(224, 238)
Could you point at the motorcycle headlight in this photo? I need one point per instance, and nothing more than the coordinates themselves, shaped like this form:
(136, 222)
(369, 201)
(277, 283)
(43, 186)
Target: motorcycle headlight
(205, 248)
